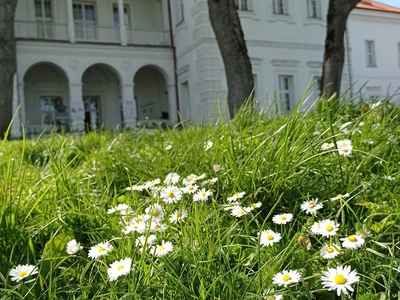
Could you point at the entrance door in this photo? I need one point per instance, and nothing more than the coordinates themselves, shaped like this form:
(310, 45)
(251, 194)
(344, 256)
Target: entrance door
(92, 112)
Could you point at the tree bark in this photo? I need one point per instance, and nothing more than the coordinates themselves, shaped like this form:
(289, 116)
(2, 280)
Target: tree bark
(8, 63)
(225, 21)
(338, 14)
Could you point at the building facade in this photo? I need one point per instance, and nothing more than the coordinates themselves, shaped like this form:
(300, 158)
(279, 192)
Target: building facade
(85, 65)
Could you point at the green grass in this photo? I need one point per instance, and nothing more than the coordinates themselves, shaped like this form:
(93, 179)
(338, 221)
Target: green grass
(58, 188)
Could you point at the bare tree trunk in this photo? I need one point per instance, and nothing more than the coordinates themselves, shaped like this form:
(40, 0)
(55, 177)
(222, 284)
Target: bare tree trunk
(228, 31)
(338, 14)
(8, 64)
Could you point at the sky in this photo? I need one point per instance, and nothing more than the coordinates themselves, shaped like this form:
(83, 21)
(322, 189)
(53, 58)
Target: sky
(390, 2)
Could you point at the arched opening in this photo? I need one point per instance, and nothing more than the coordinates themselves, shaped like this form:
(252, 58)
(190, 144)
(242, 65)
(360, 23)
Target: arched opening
(46, 99)
(151, 95)
(101, 97)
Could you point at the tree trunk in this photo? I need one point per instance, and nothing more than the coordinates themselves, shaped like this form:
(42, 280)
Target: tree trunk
(228, 31)
(8, 64)
(338, 14)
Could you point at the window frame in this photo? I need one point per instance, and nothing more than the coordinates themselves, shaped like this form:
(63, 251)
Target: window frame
(370, 53)
(43, 17)
(314, 12)
(244, 5)
(180, 12)
(283, 7)
(286, 102)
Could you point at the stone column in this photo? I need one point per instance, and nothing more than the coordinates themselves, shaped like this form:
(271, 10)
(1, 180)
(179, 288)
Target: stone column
(16, 110)
(173, 114)
(129, 112)
(76, 108)
(122, 28)
(71, 24)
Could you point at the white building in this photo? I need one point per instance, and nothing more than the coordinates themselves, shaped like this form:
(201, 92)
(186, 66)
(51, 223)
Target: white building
(79, 67)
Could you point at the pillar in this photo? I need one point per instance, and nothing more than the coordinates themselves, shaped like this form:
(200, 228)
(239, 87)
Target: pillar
(173, 114)
(71, 24)
(16, 122)
(122, 28)
(77, 109)
(129, 112)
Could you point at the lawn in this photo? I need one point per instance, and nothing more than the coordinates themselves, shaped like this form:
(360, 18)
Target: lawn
(302, 206)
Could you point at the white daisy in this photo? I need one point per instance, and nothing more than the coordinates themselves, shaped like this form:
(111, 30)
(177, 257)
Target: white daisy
(163, 249)
(329, 228)
(119, 268)
(345, 151)
(123, 209)
(352, 242)
(238, 211)
(316, 228)
(270, 295)
(375, 105)
(155, 213)
(202, 195)
(135, 227)
(236, 196)
(268, 237)
(100, 249)
(339, 279)
(190, 189)
(311, 206)
(22, 271)
(136, 187)
(208, 145)
(171, 194)
(344, 147)
(191, 179)
(210, 181)
(73, 247)
(151, 183)
(282, 219)
(172, 178)
(327, 146)
(285, 278)
(157, 227)
(148, 241)
(199, 177)
(178, 216)
(254, 206)
(329, 251)
(340, 196)
(168, 147)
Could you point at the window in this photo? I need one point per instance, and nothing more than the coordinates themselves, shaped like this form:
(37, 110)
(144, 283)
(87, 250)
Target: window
(92, 112)
(314, 10)
(370, 51)
(44, 20)
(180, 12)
(286, 91)
(243, 5)
(85, 21)
(185, 101)
(280, 7)
(54, 111)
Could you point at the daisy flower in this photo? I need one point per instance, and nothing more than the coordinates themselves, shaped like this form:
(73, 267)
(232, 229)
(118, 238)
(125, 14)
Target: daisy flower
(155, 213)
(282, 219)
(352, 242)
(139, 227)
(136, 187)
(148, 241)
(199, 177)
(124, 209)
(157, 227)
(268, 237)
(316, 228)
(210, 181)
(73, 247)
(285, 278)
(329, 251)
(270, 295)
(168, 147)
(119, 268)
(171, 194)
(163, 249)
(340, 196)
(99, 250)
(237, 195)
(172, 178)
(329, 228)
(311, 207)
(202, 195)
(344, 147)
(327, 146)
(375, 105)
(339, 279)
(22, 271)
(254, 206)
(190, 189)
(238, 211)
(178, 216)
(151, 183)
(189, 179)
(208, 145)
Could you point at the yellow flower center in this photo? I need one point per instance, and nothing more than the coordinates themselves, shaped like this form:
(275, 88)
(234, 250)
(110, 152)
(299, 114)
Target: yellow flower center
(286, 277)
(339, 279)
(270, 237)
(22, 273)
(155, 213)
(177, 215)
(283, 218)
(339, 196)
(120, 267)
(161, 248)
(352, 238)
(254, 205)
(171, 194)
(127, 218)
(203, 194)
(311, 205)
(330, 249)
(101, 249)
(271, 298)
(235, 194)
(240, 212)
(329, 227)
(345, 150)
(191, 188)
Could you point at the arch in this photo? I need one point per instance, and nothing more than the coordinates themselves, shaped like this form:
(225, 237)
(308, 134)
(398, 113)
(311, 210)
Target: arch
(105, 65)
(22, 73)
(151, 94)
(158, 68)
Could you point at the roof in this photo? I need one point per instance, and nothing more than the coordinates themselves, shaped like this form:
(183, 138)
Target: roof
(373, 5)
